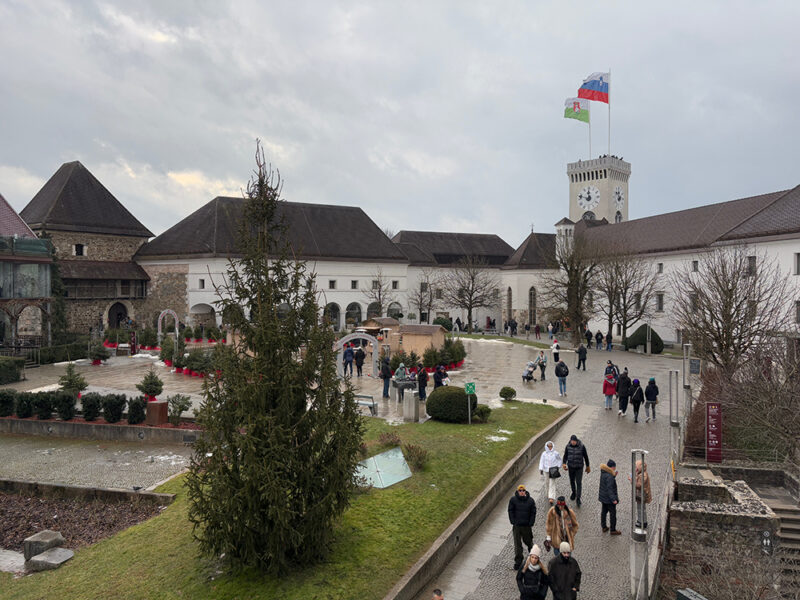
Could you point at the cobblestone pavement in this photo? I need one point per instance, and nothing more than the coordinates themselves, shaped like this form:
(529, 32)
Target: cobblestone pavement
(90, 463)
(482, 570)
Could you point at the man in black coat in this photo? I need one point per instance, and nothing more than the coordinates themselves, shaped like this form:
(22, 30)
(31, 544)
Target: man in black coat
(624, 385)
(575, 456)
(359, 358)
(608, 496)
(565, 574)
(522, 515)
(581, 357)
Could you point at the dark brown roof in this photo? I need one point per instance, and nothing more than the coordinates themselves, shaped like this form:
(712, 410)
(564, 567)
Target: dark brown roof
(101, 269)
(11, 224)
(420, 329)
(685, 229)
(448, 248)
(383, 321)
(416, 256)
(538, 251)
(565, 221)
(780, 217)
(315, 231)
(74, 200)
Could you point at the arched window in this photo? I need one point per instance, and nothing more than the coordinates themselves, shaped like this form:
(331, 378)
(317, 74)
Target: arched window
(618, 217)
(332, 315)
(589, 216)
(373, 310)
(532, 306)
(395, 311)
(352, 316)
(283, 310)
(509, 309)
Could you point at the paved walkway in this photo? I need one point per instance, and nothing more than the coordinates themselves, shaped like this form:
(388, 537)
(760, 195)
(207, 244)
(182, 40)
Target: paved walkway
(482, 570)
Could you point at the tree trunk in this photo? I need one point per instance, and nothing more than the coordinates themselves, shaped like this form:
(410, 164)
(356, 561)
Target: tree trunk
(469, 319)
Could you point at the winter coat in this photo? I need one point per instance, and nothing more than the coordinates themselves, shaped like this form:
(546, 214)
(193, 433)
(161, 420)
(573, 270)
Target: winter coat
(386, 372)
(556, 349)
(533, 583)
(582, 352)
(549, 458)
(563, 577)
(575, 456)
(588, 337)
(648, 497)
(612, 370)
(608, 485)
(561, 370)
(348, 354)
(624, 386)
(598, 337)
(360, 356)
(422, 378)
(522, 509)
(651, 392)
(609, 339)
(553, 527)
(540, 360)
(438, 378)
(609, 385)
(637, 395)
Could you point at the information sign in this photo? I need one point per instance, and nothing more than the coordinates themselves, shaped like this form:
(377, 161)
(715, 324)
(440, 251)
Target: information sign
(469, 388)
(713, 432)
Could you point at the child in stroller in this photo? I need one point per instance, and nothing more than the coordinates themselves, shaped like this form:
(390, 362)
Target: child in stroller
(527, 373)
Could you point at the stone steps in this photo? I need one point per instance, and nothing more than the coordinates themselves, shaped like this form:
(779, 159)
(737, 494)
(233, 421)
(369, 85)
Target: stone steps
(789, 548)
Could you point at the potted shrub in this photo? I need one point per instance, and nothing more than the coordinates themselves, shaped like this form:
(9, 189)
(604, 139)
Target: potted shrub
(98, 353)
(187, 334)
(178, 404)
(72, 382)
(179, 363)
(151, 386)
(213, 335)
(167, 351)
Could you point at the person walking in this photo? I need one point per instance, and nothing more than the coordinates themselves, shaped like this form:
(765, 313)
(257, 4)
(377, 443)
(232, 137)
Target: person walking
(609, 341)
(575, 456)
(613, 369)
(642, 482)
(608, 496)
(637, 397)
(561, 371)
(650, 399)
(532, 579)
(624, 385)
(556, 350)
(565, 574)
(537, 331)
(386, 375)
(359, 357)
(437, 594)
(581, 352)
(550, 330)
(527, 331)
(609, 390)
(588, 337)
(522, 515)
(549, 464)
(561, 524)
(598, 338)
(541, 360)
(347, 357)
(422, 382)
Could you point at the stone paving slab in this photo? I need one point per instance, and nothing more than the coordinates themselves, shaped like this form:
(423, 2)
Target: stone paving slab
(11, 562)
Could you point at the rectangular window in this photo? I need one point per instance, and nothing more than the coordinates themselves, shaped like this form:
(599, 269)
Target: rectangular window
(423, 317)
(331, 284)
(619, 329)
(695, 301)
(201, 284)
(751, 266)
(423, 286)
(695, 266)
(354, 284)
(590, 300)
(376, 284)
(659, 302)
(395, 284)
(797, 311)
(637, 299)
(79, 250)
(660, 268)
(439, 294)
(797, 263)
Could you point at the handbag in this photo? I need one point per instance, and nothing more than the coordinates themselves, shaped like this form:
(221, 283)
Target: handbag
(554, 472)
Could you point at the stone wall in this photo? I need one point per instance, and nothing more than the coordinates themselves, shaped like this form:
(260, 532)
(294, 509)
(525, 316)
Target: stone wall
(96, 246)
(85, 314)
(167, 288)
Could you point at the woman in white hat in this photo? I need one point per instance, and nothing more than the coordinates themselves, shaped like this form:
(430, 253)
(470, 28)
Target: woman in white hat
(532, 579)
(550, 458)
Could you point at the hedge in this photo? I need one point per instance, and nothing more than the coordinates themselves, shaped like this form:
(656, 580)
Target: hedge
(91, 404)
(449, 404)
(55, 354)
(113, 405)
(64, 404)
(43, 405)
(11, 369)
(639, 338)
(136, 410)
(24, 405)
(7, 399)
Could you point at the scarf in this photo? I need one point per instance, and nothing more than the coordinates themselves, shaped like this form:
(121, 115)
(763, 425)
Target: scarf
(566, 525)
(529, 566)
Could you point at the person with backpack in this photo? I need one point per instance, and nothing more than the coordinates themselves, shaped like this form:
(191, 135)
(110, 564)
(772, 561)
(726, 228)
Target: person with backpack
(598, 338)
(609, 341)
(650, 399)
(532, 579)
(360, 356)
(556, 350)
(637, 397)
(422, 382)
(588, 338)
(624, 385)
(561, 371)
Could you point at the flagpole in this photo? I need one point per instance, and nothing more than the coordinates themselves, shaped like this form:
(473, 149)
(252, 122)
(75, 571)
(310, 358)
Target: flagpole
(590, 130)
(609, 111)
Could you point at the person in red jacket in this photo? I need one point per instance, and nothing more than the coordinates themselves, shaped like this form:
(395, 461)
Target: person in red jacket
(609, 389)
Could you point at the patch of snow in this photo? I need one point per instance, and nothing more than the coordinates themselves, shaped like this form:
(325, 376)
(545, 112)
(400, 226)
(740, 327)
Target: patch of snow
(496, 438)
(47, 388)
(505, 431)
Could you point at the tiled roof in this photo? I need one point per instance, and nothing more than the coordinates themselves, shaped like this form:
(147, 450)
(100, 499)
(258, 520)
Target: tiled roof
(74, 200)
(538, 251)
(682, 230)
(101, 269)
(11, 224)
(449, 248)
(315, 231)
(780, 217)
(415, 255)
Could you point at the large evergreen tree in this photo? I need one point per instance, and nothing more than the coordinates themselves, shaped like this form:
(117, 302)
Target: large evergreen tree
(275, 467)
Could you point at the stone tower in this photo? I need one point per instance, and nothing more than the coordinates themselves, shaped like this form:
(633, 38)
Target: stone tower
(598, 189)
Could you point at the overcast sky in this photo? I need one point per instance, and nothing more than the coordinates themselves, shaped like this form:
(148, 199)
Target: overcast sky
(428, 115)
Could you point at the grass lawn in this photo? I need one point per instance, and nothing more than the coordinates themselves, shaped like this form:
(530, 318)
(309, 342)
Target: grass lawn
(513, 340)
(382, 534)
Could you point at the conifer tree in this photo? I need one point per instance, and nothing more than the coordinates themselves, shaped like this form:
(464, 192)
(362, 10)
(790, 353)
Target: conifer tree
(275, 467)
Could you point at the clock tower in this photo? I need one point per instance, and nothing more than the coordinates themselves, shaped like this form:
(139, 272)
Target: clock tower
(598, 188)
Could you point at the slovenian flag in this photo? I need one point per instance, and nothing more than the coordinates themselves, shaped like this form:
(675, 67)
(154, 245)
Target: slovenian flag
(576, 108)
(595, 87)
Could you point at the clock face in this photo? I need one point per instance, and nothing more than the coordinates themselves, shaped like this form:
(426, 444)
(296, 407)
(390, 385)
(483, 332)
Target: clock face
(619, 198)
(588, 197)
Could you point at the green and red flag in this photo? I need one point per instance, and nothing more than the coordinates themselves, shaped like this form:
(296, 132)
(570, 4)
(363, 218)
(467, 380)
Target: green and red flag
(576, 108)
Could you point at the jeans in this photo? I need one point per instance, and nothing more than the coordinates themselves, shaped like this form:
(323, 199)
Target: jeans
(648, 406)
(423, 393)
(609, 509)
(576, 481)
(581, 361)
(386, 387)
(542, 367)
(359, 369)
(608, 346)
(609, 400)
(636, 410)
(348, 363)
(623, 404)
(562, 385)
(521, 533)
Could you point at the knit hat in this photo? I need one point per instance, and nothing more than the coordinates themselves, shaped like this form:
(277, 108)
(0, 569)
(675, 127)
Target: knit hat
(561, 499)
(611, 463)
(564, 547)
(608, 362)
(652, 380)
(520, 488)
(536, 551)
(573, 437)
(635, 382)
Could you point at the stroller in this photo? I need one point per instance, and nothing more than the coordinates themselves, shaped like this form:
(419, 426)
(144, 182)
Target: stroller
(527, 373)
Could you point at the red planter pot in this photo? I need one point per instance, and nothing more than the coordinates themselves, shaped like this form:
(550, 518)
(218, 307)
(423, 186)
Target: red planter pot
(168, 362)
(179, 369)
(187, 371)
(218, 373)
(429, 369)
(210, 341)
(151, 398)
(198, 340)
(96, 361)
(224, 341)
(187, 340)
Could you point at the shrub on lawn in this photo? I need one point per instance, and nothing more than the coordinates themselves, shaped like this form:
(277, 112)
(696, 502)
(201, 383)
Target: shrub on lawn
(482, 413)
(508, 393)
(639, 338)
(389, 438)
(178, 404)
(42, 405)
(136, 410)
(113, 405)
(64, 404)
(416, 456)
(24, 405)
(7, 399)
(10, 369)
(444, 322)
(449, 404)
(90, 405)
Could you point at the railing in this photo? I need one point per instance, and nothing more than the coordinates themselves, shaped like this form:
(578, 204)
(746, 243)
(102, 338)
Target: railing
(656, 537)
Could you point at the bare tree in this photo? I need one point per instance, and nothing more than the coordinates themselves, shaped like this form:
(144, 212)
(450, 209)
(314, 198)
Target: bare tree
(390, 233)
(470, 284)
(727, 301)
(379, 291)
(566, 289)
(627, 283)
(423, 298)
